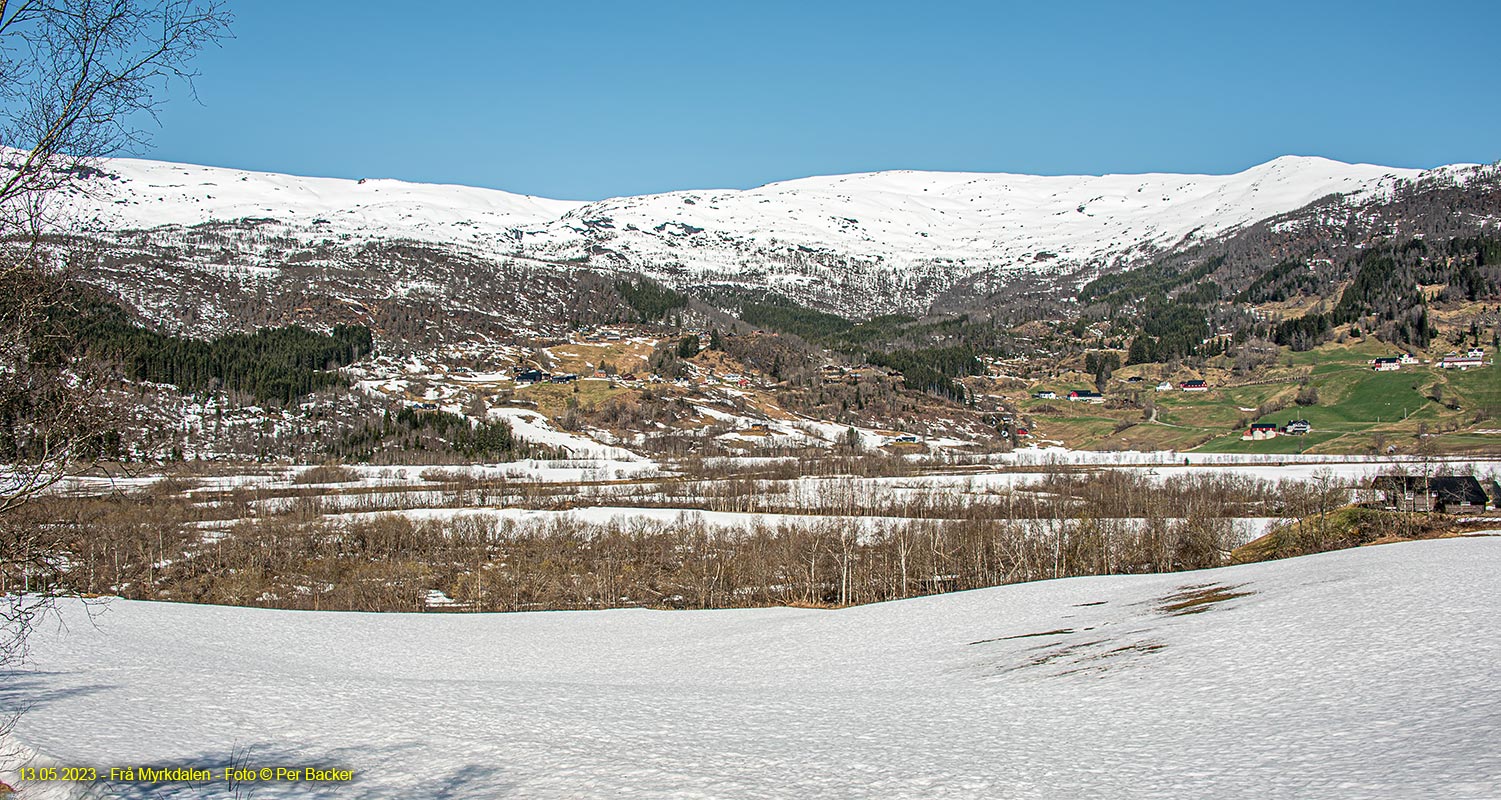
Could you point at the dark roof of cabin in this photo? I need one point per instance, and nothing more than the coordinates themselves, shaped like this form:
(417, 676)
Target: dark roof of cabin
(1448, 488)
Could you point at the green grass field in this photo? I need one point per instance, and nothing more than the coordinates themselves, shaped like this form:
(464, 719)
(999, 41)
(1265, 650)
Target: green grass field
(1358, 409)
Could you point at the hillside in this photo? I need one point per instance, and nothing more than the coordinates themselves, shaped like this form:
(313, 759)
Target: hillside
(1228, 278)
(1290, 679)
(868, 243)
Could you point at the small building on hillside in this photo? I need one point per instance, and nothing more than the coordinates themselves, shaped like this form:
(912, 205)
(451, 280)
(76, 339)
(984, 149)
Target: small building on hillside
(1474, 358)
(1449, 494)
(1259, 431)
(1194, 386)
(1085, 396)
(1386, 364)
(1164, 387)
(1407, 358)
(1046, 394)
(1297, 427)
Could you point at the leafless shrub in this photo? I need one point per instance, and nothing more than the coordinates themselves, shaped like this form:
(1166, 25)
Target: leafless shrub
(327, 473)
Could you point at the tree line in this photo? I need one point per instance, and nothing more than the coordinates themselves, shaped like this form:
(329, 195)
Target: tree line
(409, 433)
(272, 365)
(288, 552)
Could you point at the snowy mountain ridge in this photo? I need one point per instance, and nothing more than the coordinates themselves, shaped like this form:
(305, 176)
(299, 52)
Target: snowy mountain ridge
(862, 243)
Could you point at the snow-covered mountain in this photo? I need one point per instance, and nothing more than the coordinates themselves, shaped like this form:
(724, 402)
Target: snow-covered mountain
(862, 243)
(909, 231)
(130, 194)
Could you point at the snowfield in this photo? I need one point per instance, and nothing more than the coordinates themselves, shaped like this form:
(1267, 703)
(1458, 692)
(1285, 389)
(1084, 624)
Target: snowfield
(141, 194)
(1368, 673)
(860, 243)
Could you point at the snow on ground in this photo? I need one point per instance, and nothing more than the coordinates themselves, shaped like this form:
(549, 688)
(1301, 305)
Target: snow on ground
(626, 515)
(897, 230)
(1245, 528)
(534, 427)
(900, 219)
(1359, 674)
(1297, 466)
(1053, 455)
(136, 193)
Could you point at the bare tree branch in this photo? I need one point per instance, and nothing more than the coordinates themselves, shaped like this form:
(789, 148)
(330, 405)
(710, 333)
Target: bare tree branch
(77, 79)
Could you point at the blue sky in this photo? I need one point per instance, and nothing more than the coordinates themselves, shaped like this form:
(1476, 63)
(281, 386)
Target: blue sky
(585, 99)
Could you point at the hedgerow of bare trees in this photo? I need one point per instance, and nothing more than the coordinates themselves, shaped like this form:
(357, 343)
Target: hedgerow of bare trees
(827, 541)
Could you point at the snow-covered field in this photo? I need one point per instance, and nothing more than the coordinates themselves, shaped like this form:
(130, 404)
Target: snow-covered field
(1358, 674)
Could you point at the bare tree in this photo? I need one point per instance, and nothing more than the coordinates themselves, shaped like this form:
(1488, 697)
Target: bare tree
(78, 79)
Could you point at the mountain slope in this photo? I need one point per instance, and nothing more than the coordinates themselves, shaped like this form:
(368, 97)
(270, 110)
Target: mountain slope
(912, 233)
(887, 241)
(130, 193)
(1296, 678)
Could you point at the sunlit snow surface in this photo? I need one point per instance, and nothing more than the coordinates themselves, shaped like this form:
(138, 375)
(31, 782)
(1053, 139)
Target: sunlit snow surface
(890, 239)
(1365, 673)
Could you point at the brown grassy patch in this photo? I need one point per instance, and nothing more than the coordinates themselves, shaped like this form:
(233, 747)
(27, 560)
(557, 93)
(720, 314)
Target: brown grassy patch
(1198, 599)
(327, 473)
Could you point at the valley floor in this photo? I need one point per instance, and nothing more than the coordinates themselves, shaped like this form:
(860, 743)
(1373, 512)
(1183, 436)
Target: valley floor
(1353, 674)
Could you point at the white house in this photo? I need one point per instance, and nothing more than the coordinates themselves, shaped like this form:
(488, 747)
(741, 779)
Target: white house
(1474, 358)
(1260, 431)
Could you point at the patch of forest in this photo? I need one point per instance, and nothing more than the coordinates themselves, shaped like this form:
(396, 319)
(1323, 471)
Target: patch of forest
(272, 365)
(411, 432)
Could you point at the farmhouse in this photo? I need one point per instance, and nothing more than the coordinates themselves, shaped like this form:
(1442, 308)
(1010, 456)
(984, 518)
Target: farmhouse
(1386, 364)
(1408, 358)
(1164, 387)
(1078, 396)
(1046, 394)
(1474, 358)
(1194, 386)
(1450, 494)
(1259, 431)
(1297, 427)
